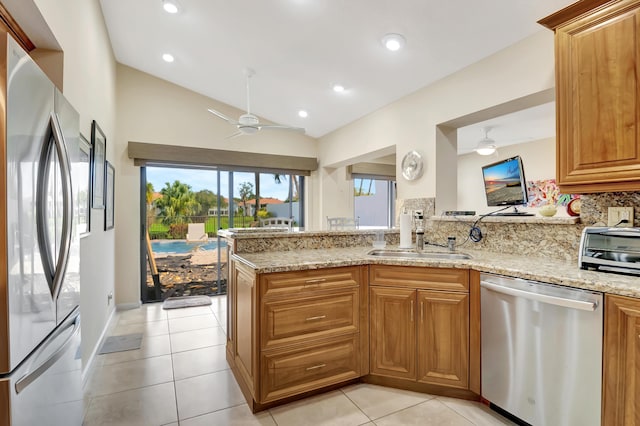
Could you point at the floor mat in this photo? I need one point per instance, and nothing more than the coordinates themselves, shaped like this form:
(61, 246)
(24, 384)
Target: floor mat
(186, 302)
(127, 342)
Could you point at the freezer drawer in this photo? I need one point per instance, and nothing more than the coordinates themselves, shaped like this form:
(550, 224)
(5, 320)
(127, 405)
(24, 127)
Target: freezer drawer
(47, 388)
(541, 350)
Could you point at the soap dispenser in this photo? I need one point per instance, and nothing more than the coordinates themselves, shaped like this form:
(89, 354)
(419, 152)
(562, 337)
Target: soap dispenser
(419, 220)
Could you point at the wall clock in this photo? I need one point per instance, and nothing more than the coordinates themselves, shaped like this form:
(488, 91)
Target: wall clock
(412, 165)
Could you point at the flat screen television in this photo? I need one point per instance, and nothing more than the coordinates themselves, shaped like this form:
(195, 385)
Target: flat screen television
(504, 183)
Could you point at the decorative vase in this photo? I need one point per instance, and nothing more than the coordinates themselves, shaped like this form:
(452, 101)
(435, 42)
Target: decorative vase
(548, 210)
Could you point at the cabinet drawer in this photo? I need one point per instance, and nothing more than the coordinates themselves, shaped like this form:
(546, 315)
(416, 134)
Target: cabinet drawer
(448, 279)
(288, 321)
(291, 372)
(290, 284)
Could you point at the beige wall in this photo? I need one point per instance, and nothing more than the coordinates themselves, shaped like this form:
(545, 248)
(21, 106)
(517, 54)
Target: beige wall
(89, 84)
(538, 159)
(410, 123)
(155, 111)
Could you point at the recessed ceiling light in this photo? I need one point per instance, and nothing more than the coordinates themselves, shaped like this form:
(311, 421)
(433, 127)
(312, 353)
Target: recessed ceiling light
(303, 114)
(338, 88)
(167, 57)
(170, 6)
(393, 42)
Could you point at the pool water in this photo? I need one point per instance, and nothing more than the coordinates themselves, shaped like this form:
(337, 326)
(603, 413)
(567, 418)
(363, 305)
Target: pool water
(183, 247)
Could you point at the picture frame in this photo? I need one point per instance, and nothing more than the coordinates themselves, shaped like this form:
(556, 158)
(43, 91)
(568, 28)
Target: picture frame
(98, 165)
(82, 177)
(109, 212)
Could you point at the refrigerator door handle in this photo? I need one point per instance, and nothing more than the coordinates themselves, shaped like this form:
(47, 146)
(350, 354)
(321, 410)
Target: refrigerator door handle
(67, 217)
(41, 209)
(31, 376)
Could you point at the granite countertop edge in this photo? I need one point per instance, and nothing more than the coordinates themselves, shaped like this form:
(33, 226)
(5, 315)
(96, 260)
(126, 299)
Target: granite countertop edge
(554, 271)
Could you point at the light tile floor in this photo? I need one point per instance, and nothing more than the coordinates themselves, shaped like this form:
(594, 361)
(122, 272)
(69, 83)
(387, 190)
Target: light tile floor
(180, 376)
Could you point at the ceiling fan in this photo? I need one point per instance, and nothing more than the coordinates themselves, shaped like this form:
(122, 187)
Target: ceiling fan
(249, 124)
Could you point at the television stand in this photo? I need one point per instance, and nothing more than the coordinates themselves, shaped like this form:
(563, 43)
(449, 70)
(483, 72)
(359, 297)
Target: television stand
(513, 214)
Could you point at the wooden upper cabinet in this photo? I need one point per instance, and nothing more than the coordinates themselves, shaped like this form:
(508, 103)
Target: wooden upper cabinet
(597, 47)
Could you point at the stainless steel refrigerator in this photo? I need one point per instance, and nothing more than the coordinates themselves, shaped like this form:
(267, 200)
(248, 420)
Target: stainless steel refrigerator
(40, 363)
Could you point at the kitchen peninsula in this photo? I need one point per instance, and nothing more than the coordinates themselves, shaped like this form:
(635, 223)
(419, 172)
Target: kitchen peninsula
(308, 311)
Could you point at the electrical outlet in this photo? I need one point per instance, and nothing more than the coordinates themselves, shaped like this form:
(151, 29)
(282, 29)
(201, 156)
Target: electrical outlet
(616, 214)
(109, 298)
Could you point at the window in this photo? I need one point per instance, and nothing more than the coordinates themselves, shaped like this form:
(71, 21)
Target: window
(374, 202)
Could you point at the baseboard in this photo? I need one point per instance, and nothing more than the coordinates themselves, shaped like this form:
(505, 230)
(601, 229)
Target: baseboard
(128, 306)
(86, 372)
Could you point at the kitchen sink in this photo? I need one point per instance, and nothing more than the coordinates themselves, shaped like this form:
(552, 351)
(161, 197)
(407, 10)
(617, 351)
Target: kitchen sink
(422, 255)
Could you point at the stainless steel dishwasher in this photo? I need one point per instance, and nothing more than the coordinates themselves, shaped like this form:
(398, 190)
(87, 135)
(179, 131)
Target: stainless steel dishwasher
(541, 350)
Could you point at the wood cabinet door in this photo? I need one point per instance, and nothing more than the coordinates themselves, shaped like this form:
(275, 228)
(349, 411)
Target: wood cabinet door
(598, 100)
(393, 332)
(246, 344)
(443, 338)
(621, 379)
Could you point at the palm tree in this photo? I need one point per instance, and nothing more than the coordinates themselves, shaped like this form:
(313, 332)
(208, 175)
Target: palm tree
(149, 201)
(177, 202)
(278, 178)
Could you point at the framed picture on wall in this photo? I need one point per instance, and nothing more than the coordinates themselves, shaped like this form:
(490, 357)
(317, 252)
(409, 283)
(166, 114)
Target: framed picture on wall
(81, 176)
(99, 149)
(109, 197)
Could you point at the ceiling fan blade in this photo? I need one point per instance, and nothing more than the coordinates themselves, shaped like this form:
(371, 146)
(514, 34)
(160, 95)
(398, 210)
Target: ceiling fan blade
(280, 127)
(221, 115)
(236, 134)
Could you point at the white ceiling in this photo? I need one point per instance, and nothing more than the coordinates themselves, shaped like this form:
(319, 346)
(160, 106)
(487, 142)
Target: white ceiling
(300, 48)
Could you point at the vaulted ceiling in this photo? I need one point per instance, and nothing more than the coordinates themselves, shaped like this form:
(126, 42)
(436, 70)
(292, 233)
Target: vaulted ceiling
(300, 49)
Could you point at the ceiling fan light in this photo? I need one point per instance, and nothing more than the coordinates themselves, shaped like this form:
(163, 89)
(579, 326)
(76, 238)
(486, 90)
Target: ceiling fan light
(170, 6)
(248, 130)
(486, 147)
(393, 42)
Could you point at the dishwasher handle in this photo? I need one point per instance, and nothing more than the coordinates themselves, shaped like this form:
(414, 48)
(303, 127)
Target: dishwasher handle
(544, 298)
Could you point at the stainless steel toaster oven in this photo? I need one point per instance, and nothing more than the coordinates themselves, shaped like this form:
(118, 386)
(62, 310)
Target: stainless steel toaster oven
(610, 249)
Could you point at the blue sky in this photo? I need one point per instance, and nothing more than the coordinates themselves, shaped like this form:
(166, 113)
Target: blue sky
(207, 179)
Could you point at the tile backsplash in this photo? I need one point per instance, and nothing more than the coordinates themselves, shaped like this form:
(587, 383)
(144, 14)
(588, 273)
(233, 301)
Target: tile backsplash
(427, 205)
(593, 209)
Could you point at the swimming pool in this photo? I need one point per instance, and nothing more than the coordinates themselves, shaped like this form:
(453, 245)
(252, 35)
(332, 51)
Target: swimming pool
(183, 247)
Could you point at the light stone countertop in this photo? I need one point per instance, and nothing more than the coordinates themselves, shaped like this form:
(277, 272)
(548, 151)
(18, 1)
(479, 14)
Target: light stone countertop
(533, 268)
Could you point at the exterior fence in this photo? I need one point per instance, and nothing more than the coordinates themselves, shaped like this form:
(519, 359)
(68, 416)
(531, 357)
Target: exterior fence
(176, 227)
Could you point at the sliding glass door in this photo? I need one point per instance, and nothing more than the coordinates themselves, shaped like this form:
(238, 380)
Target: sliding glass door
(182, 210)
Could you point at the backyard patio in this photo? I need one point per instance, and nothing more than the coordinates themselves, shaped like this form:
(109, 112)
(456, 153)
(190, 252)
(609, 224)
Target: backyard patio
(190, 274)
